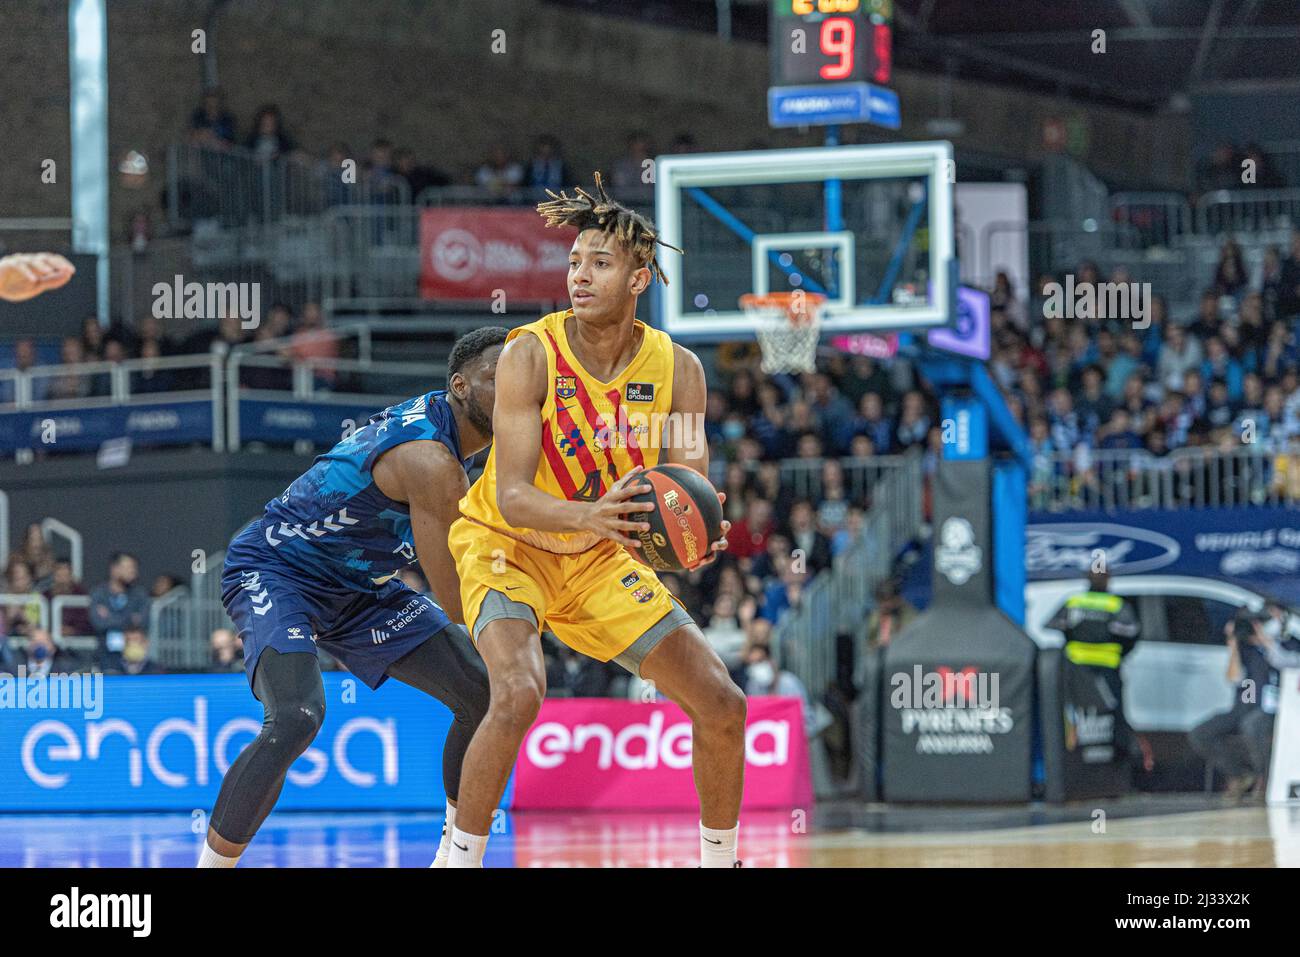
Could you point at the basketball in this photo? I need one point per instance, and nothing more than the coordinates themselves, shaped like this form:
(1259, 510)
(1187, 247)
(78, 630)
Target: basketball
(686, 520)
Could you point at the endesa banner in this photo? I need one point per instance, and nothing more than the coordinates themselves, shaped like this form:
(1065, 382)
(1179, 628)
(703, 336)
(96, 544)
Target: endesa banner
(472, 252)
(607, 754)
(164, 742)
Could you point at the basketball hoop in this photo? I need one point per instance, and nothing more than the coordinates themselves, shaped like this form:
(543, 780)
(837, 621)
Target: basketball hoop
(788, 327)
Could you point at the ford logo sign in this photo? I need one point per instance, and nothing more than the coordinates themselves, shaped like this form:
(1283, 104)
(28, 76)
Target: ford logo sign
(1068, 550)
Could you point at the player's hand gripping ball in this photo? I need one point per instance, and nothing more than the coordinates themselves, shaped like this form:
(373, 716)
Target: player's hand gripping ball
(686, 521)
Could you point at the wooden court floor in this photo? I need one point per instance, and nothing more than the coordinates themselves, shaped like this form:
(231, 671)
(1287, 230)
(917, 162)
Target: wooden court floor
(1137, 832)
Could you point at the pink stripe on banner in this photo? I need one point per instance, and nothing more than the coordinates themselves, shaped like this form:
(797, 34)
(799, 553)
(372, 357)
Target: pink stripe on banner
(607, 754)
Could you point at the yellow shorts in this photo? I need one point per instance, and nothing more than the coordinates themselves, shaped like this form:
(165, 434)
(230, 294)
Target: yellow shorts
(601, 602)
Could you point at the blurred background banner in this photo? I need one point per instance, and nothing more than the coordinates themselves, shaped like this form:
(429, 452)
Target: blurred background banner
(1259, 546)
(471, 253)
(163, 423)
(162, 743)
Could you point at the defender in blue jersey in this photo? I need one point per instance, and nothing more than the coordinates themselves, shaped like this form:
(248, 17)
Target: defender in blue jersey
(319, 569)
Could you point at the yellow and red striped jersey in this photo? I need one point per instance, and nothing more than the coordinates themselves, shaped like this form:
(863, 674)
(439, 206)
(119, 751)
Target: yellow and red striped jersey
(592, 431)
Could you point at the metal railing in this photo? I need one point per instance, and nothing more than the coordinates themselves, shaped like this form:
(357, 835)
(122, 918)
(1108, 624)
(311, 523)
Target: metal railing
(52, 528)
(805, 478)
(26, 599)
(1236, 211)
(131, 383)
(1107, 480)
(1156, 219)
(1167, 219)
(172, 630)
(805, 640)
(79, 643)
(234, 187)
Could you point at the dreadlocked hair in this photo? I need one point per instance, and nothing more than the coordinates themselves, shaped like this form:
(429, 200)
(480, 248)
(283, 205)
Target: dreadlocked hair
(585, 211)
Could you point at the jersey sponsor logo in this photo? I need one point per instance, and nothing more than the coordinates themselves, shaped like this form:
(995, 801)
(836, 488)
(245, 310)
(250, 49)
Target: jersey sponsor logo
(644, 593)
(566, 386)
(630, 579)
(410, 611)
(416, 412)
(569, 442)
(378, 637)
(640, 392)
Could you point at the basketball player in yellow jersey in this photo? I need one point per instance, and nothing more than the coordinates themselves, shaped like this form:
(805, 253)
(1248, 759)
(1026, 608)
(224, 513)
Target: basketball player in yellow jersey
(540, 541)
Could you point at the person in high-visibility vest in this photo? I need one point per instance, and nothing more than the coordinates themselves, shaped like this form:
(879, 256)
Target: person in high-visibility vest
(1100, 629)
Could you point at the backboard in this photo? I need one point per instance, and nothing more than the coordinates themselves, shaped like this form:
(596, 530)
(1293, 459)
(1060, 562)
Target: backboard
(870, 227)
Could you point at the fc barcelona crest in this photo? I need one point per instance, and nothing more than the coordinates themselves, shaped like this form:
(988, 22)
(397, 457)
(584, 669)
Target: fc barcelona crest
(566, 386)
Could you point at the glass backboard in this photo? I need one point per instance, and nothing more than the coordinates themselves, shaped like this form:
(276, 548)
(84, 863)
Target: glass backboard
(869, 227)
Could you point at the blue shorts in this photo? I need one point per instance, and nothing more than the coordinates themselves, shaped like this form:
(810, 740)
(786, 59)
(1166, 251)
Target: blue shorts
(271, 608)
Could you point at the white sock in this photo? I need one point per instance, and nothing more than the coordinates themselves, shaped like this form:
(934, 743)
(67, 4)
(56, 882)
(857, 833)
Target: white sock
(444, 845)
(466, 849)
(718, 848)
(210, 858)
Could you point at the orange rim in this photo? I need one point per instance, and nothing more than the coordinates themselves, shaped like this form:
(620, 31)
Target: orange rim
(800, 308)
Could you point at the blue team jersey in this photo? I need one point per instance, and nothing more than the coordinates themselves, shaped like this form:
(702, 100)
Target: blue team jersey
(333, 526)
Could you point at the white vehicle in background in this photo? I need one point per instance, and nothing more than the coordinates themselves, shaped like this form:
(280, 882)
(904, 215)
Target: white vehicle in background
(1176, 675)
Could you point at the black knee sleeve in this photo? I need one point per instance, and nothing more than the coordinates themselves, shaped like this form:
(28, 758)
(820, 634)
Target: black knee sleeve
(293, 697)
(448, 668)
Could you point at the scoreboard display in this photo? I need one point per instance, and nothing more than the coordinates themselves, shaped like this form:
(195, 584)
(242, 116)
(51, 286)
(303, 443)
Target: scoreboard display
(831, 41)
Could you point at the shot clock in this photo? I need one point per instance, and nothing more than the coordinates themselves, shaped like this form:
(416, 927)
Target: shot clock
(831, 41)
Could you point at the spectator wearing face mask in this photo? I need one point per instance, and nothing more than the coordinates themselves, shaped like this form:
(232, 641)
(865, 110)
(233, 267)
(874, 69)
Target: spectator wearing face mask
(764, 677)
(136, 658)
(43, 657)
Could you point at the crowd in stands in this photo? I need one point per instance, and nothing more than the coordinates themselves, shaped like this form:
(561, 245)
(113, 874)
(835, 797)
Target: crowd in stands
(308, 338)
(392, 172)
(1222, 377)
(109, 630)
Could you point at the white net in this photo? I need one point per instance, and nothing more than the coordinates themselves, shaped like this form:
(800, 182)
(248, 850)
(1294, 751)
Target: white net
(787, 328)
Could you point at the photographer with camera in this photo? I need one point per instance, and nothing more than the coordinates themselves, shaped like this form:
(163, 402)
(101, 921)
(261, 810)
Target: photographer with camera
(1259, 644)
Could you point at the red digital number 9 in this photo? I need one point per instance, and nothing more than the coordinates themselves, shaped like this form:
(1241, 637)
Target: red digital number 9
(837, 40)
